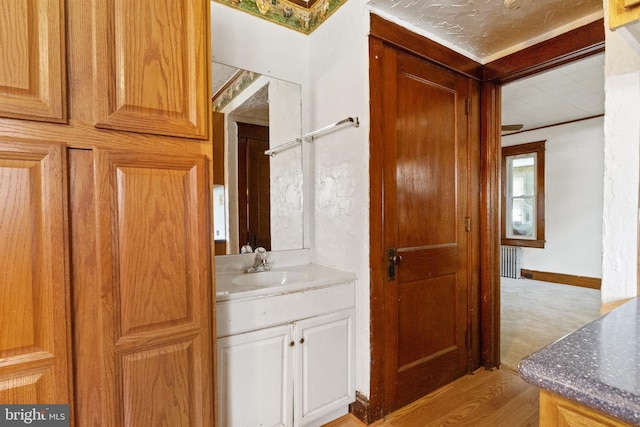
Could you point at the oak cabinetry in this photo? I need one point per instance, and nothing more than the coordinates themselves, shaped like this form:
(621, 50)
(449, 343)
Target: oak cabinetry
(155, 57)
(137, 226)
(558, 411)
(32, 70)
(105, 266)
(624, 15)
(34, 296)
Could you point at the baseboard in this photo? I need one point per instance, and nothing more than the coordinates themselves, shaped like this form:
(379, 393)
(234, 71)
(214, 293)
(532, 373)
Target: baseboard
(360, 408)
(565, 279)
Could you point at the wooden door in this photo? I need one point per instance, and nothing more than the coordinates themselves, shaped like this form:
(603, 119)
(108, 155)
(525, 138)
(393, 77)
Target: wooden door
(254, 186)
(32, 69)
(34, 292)
(142, 289)
(426, 217)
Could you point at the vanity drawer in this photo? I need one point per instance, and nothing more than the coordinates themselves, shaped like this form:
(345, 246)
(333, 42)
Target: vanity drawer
(237, 316)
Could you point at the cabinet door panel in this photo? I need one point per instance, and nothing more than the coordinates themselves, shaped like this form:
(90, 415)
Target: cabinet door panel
(325, 356)
(32, 69)
(152, 70)
(255, 378)
(33, 282)
(151, 351)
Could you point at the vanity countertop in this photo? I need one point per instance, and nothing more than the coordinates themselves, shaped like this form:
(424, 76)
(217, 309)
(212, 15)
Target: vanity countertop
(289, 279)
(597, 366)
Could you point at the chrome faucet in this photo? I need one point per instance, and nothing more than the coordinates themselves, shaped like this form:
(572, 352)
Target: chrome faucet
(260, 263)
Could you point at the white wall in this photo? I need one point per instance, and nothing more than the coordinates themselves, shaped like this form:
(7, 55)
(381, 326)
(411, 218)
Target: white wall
(339, 88)
(573, 198)
(245, 41)
(331, 64)
(621, 167)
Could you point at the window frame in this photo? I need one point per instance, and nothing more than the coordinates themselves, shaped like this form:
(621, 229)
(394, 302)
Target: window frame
(538, 148)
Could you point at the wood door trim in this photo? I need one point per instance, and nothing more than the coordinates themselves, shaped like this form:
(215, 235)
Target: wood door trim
(565, 48)
(405, 40)
(374, 411)
(561, 50)
(568, 47)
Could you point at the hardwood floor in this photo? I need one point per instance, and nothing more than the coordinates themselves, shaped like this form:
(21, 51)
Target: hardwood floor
(485, 398)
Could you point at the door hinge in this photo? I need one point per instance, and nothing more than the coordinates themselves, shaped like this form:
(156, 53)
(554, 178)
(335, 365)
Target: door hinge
(467, 224)
(467, 106)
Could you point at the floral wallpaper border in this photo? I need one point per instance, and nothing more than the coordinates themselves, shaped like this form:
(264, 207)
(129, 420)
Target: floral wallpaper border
(287, 13)
(234, 89)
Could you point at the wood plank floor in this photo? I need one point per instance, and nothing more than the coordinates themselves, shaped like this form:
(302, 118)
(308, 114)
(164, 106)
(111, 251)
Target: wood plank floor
(485, 398)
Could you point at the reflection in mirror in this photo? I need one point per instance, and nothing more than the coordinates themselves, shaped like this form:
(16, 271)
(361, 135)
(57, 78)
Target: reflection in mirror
(257, 198)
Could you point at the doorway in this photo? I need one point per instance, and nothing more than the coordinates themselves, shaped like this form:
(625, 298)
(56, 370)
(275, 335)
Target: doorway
(254, 186)
(550, 286)
(579, 43)
(429, 173)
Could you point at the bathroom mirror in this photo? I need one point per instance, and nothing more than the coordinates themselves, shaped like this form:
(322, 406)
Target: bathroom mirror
(257, 197)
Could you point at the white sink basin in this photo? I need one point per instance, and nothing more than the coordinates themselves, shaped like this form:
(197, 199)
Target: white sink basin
(236, 286)
(268, 278)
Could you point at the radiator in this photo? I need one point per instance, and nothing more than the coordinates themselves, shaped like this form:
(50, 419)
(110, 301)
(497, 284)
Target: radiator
(510, 261)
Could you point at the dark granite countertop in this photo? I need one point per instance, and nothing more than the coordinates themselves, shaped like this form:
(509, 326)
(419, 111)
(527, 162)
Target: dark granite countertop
(597, 366)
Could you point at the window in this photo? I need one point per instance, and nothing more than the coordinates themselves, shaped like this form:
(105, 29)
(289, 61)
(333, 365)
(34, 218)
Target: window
(523, 195)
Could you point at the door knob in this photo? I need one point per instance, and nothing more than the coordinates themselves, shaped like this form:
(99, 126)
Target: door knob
(393, 259)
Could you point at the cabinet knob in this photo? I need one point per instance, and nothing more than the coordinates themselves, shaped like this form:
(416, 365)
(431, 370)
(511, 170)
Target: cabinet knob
(301, 340)
(291, 344)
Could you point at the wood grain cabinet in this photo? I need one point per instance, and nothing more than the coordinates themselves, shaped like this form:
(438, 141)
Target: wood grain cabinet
(624, 16)
(105, 259)
(32, 69)
(153, 60)
(558, 411)
(140, 268)
(34, 291)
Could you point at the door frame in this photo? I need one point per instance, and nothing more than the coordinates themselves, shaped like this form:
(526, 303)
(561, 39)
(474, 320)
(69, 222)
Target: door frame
(571, 46)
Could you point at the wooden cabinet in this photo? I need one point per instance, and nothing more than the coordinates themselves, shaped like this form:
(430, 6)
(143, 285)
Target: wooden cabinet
(105, 259)
(34, 291)
(558, 411)
(622, 12)
(139, 228)
(137, 66)
(32, 70)
(624, 16)
(153, 60)
(289, 375)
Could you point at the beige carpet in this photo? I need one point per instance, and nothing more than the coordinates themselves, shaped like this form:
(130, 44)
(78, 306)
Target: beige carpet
(534, 314)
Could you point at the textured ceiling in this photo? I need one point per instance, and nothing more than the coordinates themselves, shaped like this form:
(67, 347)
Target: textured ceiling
(486, 29)
(573, 91)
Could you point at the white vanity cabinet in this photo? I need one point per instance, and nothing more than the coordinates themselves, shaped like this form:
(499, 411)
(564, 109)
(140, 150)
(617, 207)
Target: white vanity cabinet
(287, 358)
(324, 366)
(255, 378)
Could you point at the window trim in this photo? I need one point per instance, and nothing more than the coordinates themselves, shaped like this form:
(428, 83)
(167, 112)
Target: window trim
(537, 147)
